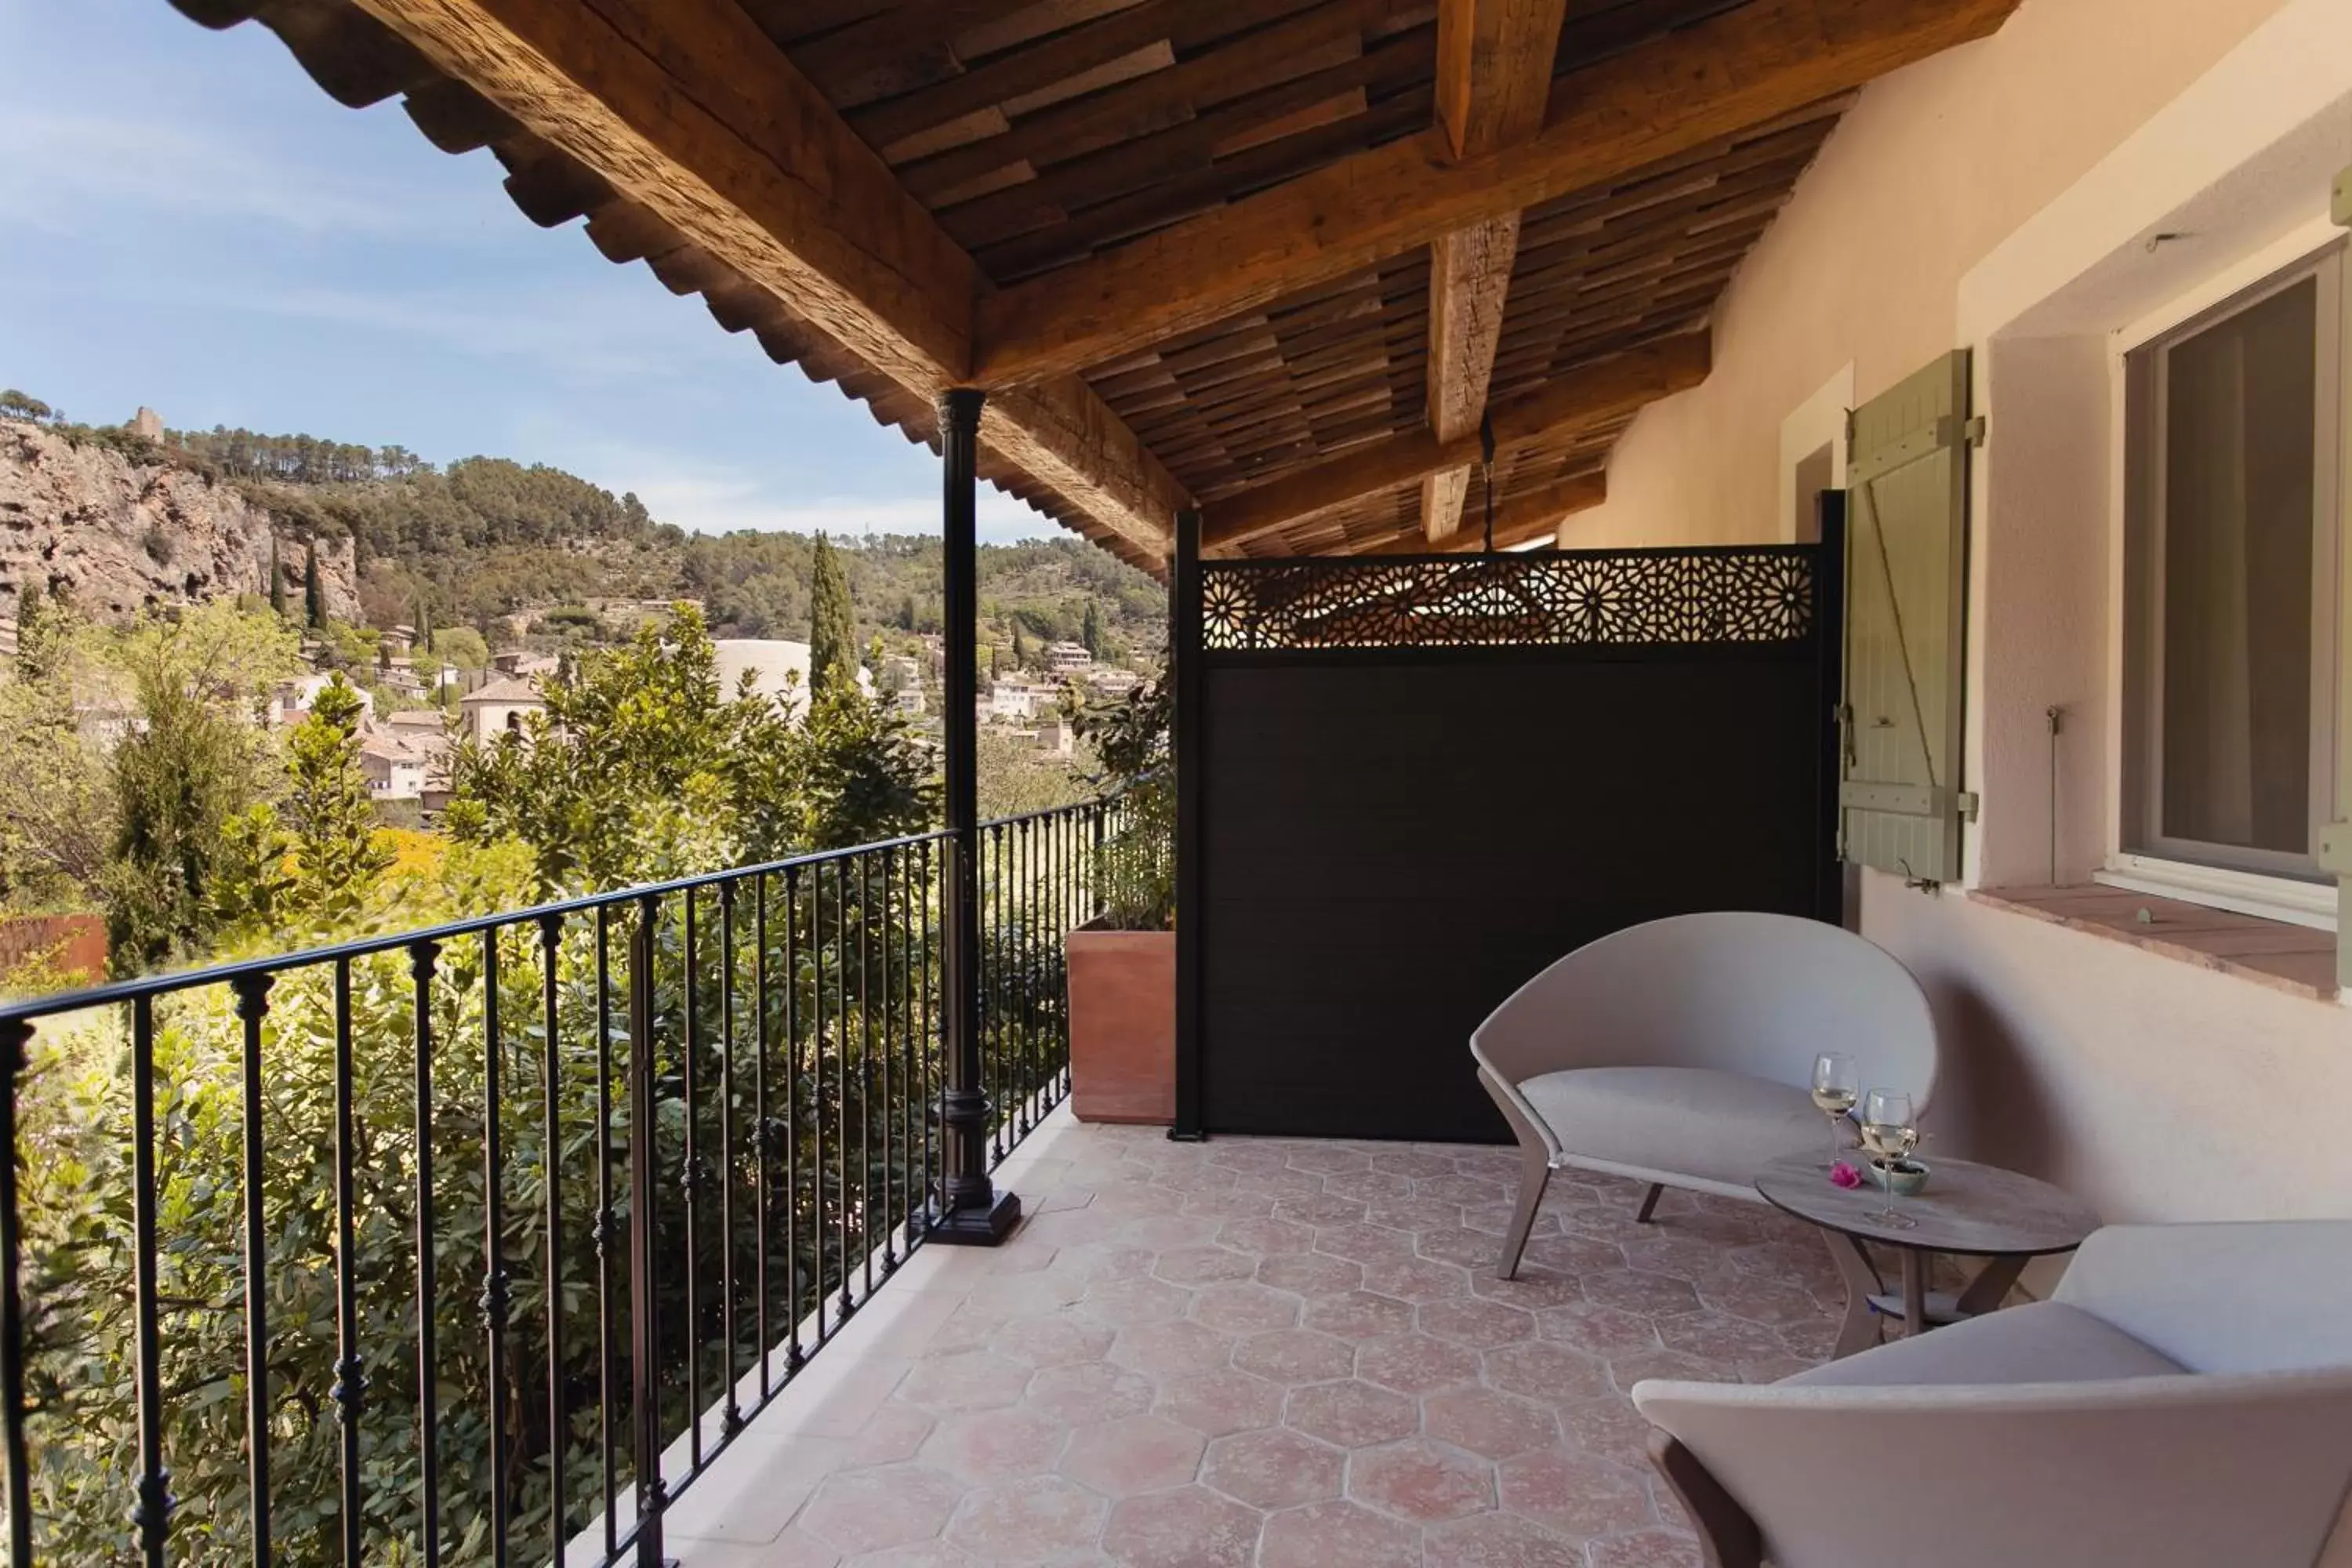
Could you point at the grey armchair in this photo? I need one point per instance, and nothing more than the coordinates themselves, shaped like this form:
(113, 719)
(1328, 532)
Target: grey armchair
(1680, 1052)
(2184, 1400)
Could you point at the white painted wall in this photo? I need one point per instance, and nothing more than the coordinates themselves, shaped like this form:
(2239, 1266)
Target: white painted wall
(2001, 197)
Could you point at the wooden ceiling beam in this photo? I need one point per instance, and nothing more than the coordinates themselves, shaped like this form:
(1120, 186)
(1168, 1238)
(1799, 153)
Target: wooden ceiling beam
(1612, 388)
(1518, 522)
(1740, 69)
(1494, 80)
(688, 108)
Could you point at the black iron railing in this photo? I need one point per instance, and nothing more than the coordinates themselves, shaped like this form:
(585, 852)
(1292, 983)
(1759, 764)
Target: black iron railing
(429, 1247)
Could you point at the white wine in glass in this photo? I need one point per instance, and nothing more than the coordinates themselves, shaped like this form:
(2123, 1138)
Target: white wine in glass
(1889, 1132)
(1837, 1085)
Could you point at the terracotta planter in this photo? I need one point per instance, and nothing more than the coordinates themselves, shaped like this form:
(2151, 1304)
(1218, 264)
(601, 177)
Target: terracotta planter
(1123, 1026)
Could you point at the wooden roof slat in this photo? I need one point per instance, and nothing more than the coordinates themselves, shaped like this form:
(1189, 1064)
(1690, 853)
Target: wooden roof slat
(1709, 80)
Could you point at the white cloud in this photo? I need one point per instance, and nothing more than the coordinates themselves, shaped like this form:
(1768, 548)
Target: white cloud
(67, 166)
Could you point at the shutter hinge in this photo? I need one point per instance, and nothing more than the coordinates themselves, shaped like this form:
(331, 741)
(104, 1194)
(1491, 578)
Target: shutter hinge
(2339, 207)
(2335, 848)
(1974, 431)
(1966, 801)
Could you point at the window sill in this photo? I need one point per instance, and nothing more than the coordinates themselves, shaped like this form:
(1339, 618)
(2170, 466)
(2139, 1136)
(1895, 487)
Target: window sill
(2290, 958)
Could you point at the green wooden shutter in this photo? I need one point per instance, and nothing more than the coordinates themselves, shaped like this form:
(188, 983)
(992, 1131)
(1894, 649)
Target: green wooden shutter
(1906, 551)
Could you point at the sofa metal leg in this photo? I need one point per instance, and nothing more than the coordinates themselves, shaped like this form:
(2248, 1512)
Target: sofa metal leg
(1535, 1175)
(1728, 1537)
(1649, 1203)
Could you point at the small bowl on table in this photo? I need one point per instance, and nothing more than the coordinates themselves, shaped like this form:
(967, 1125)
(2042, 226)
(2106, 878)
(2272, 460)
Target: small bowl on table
(1903, 1178)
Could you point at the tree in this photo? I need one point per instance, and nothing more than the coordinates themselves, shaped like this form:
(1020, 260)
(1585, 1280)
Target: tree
(39, 626)
(1019, 648)
(1092, 632)
(833, 633)
(15, 405)
(276, 581)
(906, 614)
(314, 592)
(319, 860)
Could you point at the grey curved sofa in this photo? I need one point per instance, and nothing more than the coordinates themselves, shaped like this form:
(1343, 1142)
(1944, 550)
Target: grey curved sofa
(1680, 1052)
(2183, 1400)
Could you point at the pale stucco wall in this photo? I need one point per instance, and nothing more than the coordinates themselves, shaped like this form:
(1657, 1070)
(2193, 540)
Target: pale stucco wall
(1956, 196)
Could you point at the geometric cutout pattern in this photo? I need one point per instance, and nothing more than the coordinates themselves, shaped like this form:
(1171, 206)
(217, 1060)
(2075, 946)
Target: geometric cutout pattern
(1742, 595)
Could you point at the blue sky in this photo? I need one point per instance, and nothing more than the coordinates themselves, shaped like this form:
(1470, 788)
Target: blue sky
(187, 222)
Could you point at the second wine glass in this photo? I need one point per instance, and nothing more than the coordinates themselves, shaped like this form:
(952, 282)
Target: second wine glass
(1888, 1132)
(1837, 1084)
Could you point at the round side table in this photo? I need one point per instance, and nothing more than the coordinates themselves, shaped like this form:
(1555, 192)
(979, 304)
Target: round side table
(1968, 1211)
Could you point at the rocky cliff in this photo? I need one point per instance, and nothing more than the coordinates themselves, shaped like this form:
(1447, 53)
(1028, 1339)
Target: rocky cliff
(120, 535)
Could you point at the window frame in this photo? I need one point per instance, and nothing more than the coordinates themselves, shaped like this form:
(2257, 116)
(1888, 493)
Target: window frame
(2142, 852)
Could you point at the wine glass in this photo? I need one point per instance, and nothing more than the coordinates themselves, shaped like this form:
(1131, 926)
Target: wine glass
(1837, 1084)
(1888, 1134)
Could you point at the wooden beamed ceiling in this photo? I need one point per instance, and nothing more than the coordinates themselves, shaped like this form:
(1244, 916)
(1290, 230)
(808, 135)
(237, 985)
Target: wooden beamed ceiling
(1272, 257)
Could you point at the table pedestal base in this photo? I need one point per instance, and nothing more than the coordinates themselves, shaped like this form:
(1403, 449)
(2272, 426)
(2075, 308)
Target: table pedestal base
(1868, 1300)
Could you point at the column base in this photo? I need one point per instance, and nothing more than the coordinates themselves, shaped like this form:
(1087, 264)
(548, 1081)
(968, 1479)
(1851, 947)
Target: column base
(984, 1226)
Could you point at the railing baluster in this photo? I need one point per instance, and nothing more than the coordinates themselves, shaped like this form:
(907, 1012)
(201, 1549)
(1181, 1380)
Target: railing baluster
(933, 1191)
(765, 1131)
(841, 1079)
(794, 1356)
(421, 958)
(689, 1180)
(551, 941)
(910, 1086)
(881, 944)
(645, 1298)
(494, 1298)
(153, 1513)
(819, 1228)
(607, 1348)
(15, 1050)
(252, 1005)
(864, 1067)
(350, 1381)
(731, 1418)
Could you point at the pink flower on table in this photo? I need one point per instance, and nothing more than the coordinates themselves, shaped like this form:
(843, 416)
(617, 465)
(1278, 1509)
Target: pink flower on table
(1844, 1176)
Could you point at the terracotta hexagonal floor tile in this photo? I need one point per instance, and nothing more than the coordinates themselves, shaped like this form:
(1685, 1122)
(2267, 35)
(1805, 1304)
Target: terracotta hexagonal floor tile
(1311, 1274)
(1274, 1468)
(1413, 1213)
(1329, 1159)
(1320, 1208)
(1421, 1482)
(1610, 1427)
(1204, 1265)
(1192, 1527)
(1597, 1330)
(1416, 1363)
(1120, 1302)
(1090, 1390)
(1296, 1355)
(1359, 1315)
(1216, 1403)
(1171, 1350)
(1497, 1540)
(1472, 1249)
(1035, 1519)
(1266, 1237)
(996, 1445)
(1338, 1535)
(1474, 1321)
(1723, 1340)
(1056, 1341)
(1639, 1290)
(1541, 1369)
(969, 1380)
(1646, 1549)
(1367, 1244)
(1244, 1309)
(1768, 1301)
(1133, 1455)
(1160, 1230)
(1490, 1423)
(888, 1505)
(1577, 1494)
(890, 1436)
(1351, 1415)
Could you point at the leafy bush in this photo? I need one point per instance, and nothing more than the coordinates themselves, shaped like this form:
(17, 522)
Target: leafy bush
(1135, 870)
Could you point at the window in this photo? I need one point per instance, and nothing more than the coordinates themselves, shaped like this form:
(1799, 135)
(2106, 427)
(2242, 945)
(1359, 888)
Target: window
(2232, 462)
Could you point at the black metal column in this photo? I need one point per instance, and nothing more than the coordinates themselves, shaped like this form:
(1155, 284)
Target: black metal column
(1185, 756)
(967, 1210)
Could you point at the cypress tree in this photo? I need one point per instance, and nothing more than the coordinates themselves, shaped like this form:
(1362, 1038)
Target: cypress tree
(314, 594)
(1019, 648)
(833, 634)
(1092, 635)
(277, 582)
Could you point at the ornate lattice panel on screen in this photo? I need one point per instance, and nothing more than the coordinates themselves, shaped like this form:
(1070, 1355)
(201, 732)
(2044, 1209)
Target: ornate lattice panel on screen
(1633, 597)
